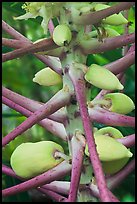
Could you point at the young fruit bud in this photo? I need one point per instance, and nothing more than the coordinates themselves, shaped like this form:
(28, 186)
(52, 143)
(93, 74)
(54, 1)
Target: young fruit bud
(112, 167)
(115, 19)
(62, 35)
(109, 131)
(47, 77)
(102, 78)
(111, 32)
(121, 103)
(31, 159)
(109, 149)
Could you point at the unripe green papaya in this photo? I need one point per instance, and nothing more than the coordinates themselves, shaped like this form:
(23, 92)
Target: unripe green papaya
(109, 131)
(121, 103)
(47, 77)
(31, 159)
(112, 167)
(115, 19)
(109, 149)
(111, 32)
(62, 35)
(102, 78)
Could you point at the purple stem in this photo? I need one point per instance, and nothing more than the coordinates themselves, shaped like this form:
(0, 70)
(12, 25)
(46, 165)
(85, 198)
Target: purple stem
(115, 180)
(43, 45)
(51, 27)
(54, 127)
(56, 102)
(113, 197)
(121, 64)
(131, 49)
(80, 90)
(11, 31)
(107, 44)
(126, 31)
(59, 187)
(12, 43)
(98, 115)
(102, 93)
(48, 60)
(128, 141)
(55, 196)
(56, 186)
(56, 173)
(97, 16)
(8, 171)
(30, 104)
(103, 116)
(45, 59)
(78, 146)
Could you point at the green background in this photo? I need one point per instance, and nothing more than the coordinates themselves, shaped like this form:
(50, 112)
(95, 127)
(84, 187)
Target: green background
(17, 75)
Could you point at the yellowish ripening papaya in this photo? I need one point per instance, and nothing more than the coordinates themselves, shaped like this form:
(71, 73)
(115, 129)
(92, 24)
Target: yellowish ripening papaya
(31, 159)
(102, 78)
(109, 149)
(120, 103)
(47, 77)
(109, 131)
(62, 35)
(112, 167)
(115, 19)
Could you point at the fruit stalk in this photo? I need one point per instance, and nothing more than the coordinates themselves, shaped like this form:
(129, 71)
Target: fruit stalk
(96, 17)
(45, 59)
(56, 173)
(115, 180)
(31, 105)
(121, 64)
(101, 115)
(55, 196)
(128, 141)
(78, 146)
(79, 85)
(12, 43)
(56, 186)
(55, 128)
(43, 45)
(55, 103)
(93, 46)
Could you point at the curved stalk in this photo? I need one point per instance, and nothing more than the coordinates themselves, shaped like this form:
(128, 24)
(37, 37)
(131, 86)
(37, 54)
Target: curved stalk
(45, 59)
(96, 17)
(93, 46)
(12, 43)
(78, 146)
(54, 127)
(53, 195)
(56, 173)
(121, 64)
(128, 141)
(103, 116)
(56, 102)
(79, 85)
(115, 180)
(31, 105)
(43, 45)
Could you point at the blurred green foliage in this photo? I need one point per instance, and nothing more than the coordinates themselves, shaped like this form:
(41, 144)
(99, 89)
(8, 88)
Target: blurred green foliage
(17, 75)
